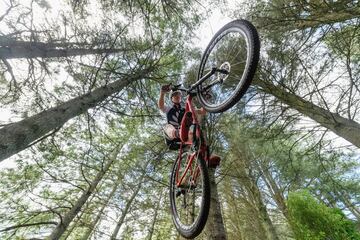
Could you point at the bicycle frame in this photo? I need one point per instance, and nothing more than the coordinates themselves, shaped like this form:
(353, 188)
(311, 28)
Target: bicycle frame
(202, 150)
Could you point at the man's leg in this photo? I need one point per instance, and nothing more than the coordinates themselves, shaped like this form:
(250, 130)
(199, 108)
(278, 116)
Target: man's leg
(170, 131)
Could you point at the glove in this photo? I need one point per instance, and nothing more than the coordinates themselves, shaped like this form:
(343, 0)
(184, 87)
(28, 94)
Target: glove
(165, 88)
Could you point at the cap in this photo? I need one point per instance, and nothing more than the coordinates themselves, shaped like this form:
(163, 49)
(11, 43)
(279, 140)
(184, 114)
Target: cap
(172, 93)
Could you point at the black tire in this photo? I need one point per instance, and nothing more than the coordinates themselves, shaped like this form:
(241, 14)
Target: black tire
(240, 33)
(193, 229)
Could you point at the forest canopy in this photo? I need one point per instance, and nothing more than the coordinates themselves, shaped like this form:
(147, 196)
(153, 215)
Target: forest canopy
(81, 146)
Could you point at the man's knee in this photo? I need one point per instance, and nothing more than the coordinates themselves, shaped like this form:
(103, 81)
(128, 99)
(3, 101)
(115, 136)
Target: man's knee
(170, 131)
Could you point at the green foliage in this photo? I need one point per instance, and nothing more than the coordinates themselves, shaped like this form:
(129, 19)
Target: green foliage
(315, 221)
(47, 183)
(344, 41)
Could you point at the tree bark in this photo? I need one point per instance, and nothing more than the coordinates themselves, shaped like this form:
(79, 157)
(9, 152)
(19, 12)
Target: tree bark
(69, 216)
(214, 228)
(265, 221)
(75, 222)
(91, 227)
(275, 190)
(317, 14)
(156, 212)
(343, 127)
(126, 209)
(10, 49)
(344, 198)
(17, 136)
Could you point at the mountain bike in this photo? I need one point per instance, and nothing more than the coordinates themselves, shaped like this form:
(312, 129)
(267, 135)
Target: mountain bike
(226, 70)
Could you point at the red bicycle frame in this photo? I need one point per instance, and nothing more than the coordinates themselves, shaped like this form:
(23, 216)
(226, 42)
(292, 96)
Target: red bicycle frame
(202, 151)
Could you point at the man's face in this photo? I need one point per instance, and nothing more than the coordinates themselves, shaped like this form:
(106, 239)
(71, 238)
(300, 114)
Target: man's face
(176, 98)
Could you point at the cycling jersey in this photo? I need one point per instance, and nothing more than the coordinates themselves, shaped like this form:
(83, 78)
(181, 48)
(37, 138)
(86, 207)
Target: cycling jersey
(174, 114)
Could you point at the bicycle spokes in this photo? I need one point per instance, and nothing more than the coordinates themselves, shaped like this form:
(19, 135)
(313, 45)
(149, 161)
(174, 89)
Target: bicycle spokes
(235, 48)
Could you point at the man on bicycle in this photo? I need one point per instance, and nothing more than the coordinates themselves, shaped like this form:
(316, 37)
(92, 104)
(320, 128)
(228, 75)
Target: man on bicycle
(174, 113)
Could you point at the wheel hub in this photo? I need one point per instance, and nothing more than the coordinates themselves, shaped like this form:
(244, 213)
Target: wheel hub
(223, 76)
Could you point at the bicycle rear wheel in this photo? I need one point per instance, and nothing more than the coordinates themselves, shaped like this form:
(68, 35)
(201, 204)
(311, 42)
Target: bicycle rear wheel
(190, 200)
(234, 48)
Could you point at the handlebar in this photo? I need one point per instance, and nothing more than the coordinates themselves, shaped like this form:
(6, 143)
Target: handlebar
(179, 88)
(191, 90)
(175, 87)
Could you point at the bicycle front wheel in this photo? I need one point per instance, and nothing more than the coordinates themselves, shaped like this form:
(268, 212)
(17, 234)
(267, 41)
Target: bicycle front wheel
(189, 195)
(234, 48)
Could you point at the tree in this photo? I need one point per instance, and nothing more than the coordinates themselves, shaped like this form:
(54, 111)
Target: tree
(343, 127)
(312, 14)
(69, 216)
(301, 65)
(92, 225)
(12, 48)
(128, 205)
(139, 53)
(20, 135)
(313, 220)
(214, 228)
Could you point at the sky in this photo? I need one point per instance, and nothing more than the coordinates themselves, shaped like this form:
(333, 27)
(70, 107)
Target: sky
(207, 29)
(205, 32)
(214, 21)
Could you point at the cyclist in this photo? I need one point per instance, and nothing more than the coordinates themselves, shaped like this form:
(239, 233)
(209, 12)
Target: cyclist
(174, 113)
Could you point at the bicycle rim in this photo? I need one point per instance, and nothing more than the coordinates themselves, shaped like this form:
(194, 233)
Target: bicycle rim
(190, 202)
(235, 48)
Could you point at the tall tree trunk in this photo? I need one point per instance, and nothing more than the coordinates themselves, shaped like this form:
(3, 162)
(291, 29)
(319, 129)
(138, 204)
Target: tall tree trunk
(265, 218)
(156, 212)
(275, 190)
(6, 41)
(343, 127)
(17, 136)
(76, 221)
(10, 48)
(127, 209)
(91, 227)
(265, 221)
(330, 17)
(69, 216)
(36, 51)
(317, 14)
(250, 184)
(214, 228)
(344, 198)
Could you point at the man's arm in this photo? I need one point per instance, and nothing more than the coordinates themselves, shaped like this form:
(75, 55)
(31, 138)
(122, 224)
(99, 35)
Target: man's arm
(161, 101)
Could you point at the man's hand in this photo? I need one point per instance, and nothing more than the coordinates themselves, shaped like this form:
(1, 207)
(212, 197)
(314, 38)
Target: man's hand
(165, 88)
(161, 102)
